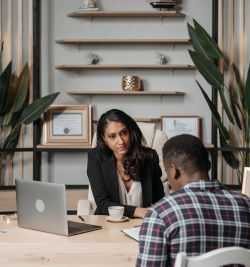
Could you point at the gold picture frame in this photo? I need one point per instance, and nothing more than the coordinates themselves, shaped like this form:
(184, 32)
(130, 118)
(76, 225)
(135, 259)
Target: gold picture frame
(67, 126)
(176, 125)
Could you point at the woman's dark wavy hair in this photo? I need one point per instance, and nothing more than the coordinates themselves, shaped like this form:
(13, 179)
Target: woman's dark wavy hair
(133, 160)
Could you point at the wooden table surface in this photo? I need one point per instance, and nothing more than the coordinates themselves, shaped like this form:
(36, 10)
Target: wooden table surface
(106, 247)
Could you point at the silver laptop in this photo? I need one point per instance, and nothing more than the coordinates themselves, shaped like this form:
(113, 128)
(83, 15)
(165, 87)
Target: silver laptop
(42, 206)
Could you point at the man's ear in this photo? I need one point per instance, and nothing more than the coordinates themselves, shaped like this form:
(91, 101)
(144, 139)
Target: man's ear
(177, 173)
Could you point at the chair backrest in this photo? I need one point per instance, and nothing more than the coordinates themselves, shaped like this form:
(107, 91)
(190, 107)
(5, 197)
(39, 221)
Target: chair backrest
(91, 199)
(246, 182)
(215, 258)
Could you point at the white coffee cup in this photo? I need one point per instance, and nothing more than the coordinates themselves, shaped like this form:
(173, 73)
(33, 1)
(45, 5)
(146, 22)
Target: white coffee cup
(116, 212)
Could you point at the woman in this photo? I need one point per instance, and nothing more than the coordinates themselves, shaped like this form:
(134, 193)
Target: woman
(121, 170)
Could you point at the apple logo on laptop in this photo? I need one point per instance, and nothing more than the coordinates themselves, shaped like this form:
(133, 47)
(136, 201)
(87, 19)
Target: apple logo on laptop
(40, 206)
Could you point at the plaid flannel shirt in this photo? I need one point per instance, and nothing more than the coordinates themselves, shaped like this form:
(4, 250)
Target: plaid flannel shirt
(200, 217)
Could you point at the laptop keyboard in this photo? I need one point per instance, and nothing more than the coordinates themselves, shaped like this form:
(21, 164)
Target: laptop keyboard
(76, 227)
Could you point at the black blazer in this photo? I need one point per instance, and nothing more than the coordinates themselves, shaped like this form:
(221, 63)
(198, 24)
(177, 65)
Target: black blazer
(103, 179)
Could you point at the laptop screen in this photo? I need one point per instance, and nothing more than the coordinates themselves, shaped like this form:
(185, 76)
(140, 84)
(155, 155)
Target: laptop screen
(41, 206)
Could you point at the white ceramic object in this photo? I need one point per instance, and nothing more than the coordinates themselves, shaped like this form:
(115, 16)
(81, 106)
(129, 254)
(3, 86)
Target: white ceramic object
(124, 218)
(88, 4)
(116, 212)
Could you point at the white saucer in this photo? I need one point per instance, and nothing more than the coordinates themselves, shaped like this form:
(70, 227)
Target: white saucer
(124, 218)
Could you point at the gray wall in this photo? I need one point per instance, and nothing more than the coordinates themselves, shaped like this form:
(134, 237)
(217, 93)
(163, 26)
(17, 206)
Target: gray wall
(70, 168)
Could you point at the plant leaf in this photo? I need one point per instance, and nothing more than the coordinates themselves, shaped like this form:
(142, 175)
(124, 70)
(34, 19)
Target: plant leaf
(195, 42)
(11, 93)
(207, 43)
(33, 111)
(213, 76)
(236, 110)
(21, 91)
(207, 69)
(215, 115)
(229, 156)
(237, 80)
(4, 87)
(1, 120)
(246, 99)
(225, 105)
(12, 140)
(1, 58)
(7, 119)
(235, 94)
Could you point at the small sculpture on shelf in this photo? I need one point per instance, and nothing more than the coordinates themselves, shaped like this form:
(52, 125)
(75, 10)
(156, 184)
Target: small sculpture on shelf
(164, 4)
(88, 4)
(92, 59)
(161, 58)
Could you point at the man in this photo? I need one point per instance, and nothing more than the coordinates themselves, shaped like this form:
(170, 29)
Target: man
(199, 216)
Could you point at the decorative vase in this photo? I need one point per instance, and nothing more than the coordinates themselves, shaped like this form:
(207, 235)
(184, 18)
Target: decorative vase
(131, 83)
(88, 4)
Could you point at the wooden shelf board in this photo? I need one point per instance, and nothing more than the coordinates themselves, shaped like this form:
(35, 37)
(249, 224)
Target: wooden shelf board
(152, 93)
(126, 66)
(139, 120)
(69, 146)
(123, 41)
(209, 145)
(126, 14)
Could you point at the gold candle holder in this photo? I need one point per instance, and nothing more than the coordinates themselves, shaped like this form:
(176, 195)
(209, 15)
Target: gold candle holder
(131, 83)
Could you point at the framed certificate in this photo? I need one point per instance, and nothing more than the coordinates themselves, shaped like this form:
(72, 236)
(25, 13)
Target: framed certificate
(176, 125)
(67, 125)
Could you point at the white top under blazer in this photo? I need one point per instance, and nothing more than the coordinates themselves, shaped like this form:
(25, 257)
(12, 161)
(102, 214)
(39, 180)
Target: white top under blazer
(132, 197)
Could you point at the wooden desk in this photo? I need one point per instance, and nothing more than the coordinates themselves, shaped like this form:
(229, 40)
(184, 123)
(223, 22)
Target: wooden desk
(107, 247)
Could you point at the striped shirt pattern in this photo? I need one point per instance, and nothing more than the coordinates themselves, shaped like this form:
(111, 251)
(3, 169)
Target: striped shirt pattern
(199, 218)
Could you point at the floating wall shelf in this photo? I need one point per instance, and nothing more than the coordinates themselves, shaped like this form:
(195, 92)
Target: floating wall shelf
(126, 14)
(124, 41)
(139, 120)
(114, 93)
(117, 67)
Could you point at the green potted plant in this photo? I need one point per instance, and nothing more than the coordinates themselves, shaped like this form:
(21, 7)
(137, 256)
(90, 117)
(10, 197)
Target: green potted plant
(235, 97)
(15, 110)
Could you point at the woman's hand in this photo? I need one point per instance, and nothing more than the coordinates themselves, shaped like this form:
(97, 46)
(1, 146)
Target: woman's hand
(140, 212)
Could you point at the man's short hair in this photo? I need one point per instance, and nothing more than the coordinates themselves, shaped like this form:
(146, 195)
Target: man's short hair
(186, 152)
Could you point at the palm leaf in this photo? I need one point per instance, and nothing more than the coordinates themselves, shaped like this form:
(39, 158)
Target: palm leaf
(4, 87)
(237, 80)
(21, 90)
(34, 110)
(236, 109)
(225, 105)
(213, 76)
(229, 156)
(246, 99)
(235, 94)
(207, 69)
(195, 42)
(7, 119)
(1, 58)
(215, 115)
(29, 115)
(12, 140)
(11, 93)
(1, 121)
(207, 43)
